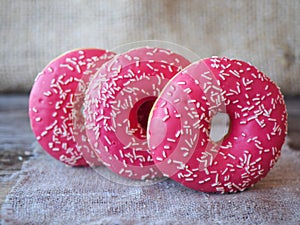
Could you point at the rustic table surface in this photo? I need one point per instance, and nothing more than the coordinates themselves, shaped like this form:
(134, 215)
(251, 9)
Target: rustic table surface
(16, 137)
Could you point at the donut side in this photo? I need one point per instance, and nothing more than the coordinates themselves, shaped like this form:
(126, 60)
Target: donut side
(55, 103)
(184, 150)
(117, 106)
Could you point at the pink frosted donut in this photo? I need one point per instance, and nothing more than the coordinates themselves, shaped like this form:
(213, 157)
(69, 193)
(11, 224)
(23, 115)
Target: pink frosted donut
(56, 100)
(179, 126)
(117, 105)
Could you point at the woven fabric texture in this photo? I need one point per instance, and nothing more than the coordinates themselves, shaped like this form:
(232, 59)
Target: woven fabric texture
(264, 33)
(48, 192)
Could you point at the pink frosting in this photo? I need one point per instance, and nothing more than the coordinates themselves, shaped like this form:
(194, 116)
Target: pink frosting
(117, 105)
(179, 126)
(56, 100)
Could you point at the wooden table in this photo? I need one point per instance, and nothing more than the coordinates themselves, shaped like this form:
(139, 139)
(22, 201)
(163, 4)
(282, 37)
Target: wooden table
(15, 139)
(16, 136)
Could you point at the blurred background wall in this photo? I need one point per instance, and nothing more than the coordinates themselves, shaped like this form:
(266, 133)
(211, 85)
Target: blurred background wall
(265, 33)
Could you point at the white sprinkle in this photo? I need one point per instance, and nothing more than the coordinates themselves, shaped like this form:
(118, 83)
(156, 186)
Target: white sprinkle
(177, 115)
(233, 91)
(149, 66)
(206, 77)
(192, 101)
(230, 165)
(50, 127)
(34, 110)
(137, 63)
(176, 100)
(266, 88)
(253, 75)
(244, 109)
(50, 69)
(236, 115)
(226, 169)
(121, 171)
(50, 144)
(187, 90)
(128, 57)
(231, 156)
(235, 73)
(44, 133)
(184, 149)
(54, 114)
(207, 179)
(106, 138)
(171, 140)
(48, 93)
(190, 144)
(165, 51)
(190, 115)
(181, 83)
(178, 133)
(164, 154)
(67, 66)
(189, 179)
(222, 77)
(163, 104)
(166, 118)
(166, 111)
(206, 89)
(196, 124)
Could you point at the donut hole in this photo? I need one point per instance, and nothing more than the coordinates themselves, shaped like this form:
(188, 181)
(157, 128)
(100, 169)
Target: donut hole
(219, 126)
(143, 113)
(139, 116)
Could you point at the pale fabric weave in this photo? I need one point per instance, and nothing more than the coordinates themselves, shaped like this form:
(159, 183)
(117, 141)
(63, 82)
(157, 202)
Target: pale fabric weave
(48, 192)
(265, 33)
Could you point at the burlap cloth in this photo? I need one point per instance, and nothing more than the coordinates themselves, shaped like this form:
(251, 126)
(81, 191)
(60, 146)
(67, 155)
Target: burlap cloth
(263, 32)
(48, 192)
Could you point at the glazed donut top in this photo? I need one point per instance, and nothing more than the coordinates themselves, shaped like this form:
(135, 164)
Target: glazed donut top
(56, 100)
(124, 89)
(180, 144)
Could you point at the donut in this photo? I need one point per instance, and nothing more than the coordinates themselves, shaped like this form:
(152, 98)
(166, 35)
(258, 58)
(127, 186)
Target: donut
(56, 100)
(117, 105)
(179, 126)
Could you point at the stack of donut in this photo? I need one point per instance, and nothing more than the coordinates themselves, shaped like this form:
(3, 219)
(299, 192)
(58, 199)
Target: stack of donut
(146, 114)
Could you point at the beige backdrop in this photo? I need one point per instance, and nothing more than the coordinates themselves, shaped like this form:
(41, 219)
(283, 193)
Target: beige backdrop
(265, 33)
